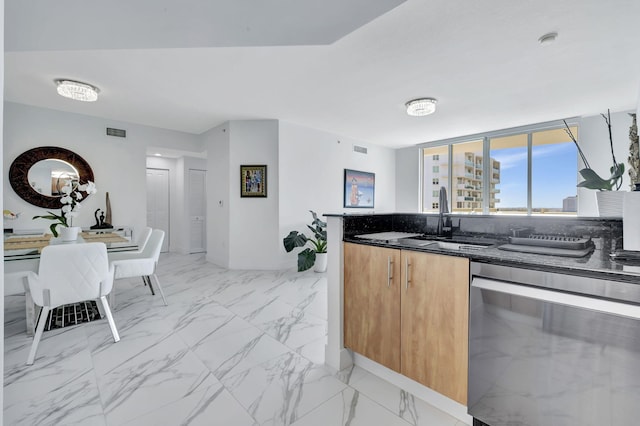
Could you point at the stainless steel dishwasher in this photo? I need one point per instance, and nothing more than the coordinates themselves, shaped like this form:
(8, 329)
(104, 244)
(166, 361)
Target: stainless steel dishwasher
(549, 349)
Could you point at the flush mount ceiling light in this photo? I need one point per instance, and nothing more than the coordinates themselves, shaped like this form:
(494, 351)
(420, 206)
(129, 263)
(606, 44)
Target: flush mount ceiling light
(420, 107)
(548, 38)
(77, 91)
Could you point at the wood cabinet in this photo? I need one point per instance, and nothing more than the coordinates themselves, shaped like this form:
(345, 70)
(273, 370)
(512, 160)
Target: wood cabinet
(372, 303)
(409, 311)
(435, 322)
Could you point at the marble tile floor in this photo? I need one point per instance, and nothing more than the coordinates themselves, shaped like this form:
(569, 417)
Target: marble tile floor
(233, 348)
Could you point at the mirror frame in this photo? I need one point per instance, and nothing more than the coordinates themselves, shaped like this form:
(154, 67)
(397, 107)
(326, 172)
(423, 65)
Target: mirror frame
(19, 173)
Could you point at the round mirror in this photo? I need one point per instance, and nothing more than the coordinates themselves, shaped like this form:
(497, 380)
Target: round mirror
(47, 177)
(38, 175)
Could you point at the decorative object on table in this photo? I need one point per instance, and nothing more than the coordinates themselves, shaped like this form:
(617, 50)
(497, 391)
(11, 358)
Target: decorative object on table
(608, 198)
(308, 257)
(9, 215)
(101, 221)
(634, 155)
(107, 203)
(253, 181)
(70, 205)
(359, 189)
(591, 179)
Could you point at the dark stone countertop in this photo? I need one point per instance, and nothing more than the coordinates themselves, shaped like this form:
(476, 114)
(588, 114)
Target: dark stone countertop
(595, 264)
(605, 233)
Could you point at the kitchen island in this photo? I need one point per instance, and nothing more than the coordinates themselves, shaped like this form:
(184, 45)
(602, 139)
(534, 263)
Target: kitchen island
(605, 236)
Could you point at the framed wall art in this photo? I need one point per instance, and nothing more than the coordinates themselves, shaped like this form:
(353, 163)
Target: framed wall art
(359, 189)
(253, 181)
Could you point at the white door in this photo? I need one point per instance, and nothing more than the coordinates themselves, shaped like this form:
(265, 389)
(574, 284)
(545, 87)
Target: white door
(197, 211)
(158, 202)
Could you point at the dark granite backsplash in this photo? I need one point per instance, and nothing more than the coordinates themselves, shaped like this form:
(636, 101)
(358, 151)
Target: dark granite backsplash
(493, 226)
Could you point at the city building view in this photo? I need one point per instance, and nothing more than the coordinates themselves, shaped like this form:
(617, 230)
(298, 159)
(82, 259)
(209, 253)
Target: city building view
(535, 171)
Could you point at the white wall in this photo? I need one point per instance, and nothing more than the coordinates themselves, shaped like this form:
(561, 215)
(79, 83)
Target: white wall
(253, 221)
(312, 164)
(216, 143)
(408, 179)
(119, 164)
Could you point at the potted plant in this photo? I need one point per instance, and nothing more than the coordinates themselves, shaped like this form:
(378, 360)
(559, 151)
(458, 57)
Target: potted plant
(609, 203)
(310, 256)
(70, 206)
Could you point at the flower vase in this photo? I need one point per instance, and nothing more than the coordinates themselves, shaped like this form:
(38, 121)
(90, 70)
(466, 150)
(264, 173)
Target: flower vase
(69, 234)
(610, 203)
(321, 262)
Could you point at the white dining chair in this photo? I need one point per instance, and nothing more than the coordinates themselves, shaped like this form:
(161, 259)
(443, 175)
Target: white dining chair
(14, 283)
(70, 273)
(141, 242)
(143, 265)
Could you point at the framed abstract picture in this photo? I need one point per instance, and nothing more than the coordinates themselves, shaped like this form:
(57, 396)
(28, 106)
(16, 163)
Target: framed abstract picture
(359, 189)
(253, 181)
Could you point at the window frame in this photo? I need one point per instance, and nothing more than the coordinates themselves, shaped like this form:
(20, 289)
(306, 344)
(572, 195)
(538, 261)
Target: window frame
(486, 166)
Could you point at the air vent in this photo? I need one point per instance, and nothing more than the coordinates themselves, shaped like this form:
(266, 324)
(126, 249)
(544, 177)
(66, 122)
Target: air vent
(360, 149)
(116, 132)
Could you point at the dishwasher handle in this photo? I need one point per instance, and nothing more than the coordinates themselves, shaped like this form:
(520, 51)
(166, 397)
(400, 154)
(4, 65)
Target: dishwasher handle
(558, 298)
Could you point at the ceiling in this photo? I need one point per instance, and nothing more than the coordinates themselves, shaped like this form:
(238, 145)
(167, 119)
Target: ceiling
(343, 66)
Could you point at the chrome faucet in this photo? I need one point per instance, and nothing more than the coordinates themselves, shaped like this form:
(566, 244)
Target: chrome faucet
(444, 223)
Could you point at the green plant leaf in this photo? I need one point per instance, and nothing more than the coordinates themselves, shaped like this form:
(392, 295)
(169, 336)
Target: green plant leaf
(617, 172)
(593, 181)
(53, 229)
(293, 240)
(306, 259)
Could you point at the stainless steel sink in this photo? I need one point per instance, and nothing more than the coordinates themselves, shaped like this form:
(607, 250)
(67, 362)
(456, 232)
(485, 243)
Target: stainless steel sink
(445, 245)
(458, 246)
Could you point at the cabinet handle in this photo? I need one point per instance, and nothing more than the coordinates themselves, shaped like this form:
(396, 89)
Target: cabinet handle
(389, 271)
(406, 273)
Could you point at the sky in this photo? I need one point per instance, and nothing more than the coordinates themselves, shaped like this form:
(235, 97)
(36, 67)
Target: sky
(554, 175)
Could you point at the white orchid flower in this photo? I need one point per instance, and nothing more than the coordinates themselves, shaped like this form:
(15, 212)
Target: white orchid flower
(66, 189)
(66, 199)
(66, 209)
(78, 196)
(91, 188)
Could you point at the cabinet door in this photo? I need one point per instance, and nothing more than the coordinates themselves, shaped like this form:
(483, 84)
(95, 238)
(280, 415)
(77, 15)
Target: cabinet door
(372, 303)
(435, 310)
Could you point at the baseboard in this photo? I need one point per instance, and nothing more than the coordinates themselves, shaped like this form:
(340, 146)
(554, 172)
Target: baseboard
(449, 406)
(339, 361)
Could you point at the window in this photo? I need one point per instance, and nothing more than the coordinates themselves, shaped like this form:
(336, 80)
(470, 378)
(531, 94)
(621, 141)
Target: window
(467, 173)
(434, 174)
(509, 156)
(531, 171)
(554, 171)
